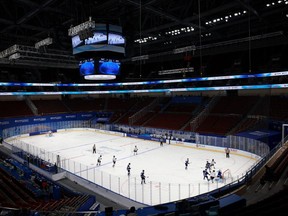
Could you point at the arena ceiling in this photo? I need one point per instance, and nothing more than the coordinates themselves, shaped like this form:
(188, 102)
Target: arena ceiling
(150, 26)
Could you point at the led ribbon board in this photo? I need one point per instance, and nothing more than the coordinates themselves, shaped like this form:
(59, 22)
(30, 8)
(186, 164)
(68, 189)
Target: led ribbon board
(197, 79)
(219, 88)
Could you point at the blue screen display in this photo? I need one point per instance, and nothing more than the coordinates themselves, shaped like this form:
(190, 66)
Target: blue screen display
(109, 67)
(115, 39)
(86, 67)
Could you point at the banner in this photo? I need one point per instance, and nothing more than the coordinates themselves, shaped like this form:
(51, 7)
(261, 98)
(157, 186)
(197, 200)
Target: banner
(15, 122)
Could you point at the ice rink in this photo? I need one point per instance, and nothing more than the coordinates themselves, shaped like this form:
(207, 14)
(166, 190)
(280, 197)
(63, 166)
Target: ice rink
(167, 179)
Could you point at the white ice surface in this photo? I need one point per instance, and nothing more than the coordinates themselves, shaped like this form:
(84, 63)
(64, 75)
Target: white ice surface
(167, 180)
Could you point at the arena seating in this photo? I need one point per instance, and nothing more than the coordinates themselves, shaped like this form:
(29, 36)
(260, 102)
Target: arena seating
(116, 115)
(247, 124)
(144, 118)
(279, 107)
(172, 121)
(181, 108)
(50, 106)
(22, 188)
(119, 104)
(274, 107)
(226, 114)
(169, 114)
(234, 105)
(275, 170)
(122, 116)
(123, 108)
(219, 125)
(85, 104)
(276, 204)
(124, 119)
(14, 109)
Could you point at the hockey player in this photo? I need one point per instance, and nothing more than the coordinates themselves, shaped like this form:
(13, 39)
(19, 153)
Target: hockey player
(227, 151)
(219, 175)
(94, 149)
(161, 141)
(205, 174)
(212, 164)
(187, 163)
(135, 150)
(114, 161)
(212, 175)
(143, 177)
(207, 165)
(128, 169)
(99, 160)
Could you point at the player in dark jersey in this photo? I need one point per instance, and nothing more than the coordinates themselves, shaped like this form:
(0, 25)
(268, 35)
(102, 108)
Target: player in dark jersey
(128, 169)
(187, 163)
(114, 160)
(143, 177)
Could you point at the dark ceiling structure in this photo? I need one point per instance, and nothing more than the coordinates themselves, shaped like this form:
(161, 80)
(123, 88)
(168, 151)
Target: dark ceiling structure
(151, 27)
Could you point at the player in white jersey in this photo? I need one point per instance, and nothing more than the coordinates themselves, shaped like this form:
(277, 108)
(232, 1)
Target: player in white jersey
(227, 151)
(99, 160)
(212, 175)
(135, 150)
(212, 164)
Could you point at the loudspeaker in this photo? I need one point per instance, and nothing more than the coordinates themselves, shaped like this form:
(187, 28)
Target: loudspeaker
(82, 35)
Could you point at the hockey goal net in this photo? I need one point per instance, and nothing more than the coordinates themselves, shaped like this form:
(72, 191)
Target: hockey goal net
(49, 134)
(227, 176)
